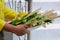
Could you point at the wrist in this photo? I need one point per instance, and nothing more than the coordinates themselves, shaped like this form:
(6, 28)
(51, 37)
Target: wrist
(9, 28)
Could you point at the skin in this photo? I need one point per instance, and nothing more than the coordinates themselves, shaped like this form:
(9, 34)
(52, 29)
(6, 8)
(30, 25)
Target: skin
(18, 30)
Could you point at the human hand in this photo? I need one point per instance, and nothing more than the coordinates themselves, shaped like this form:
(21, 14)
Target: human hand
(21, 29)
(18, 30)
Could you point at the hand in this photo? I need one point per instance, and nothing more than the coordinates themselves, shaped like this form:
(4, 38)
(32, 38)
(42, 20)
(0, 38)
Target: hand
(8, 21)
(21, 29)
(18, 30)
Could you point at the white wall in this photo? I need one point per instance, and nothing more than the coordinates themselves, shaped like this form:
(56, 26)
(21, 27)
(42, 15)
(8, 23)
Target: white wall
(46, 0)
(41, 0)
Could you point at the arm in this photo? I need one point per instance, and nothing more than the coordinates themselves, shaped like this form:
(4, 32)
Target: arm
(19, 30)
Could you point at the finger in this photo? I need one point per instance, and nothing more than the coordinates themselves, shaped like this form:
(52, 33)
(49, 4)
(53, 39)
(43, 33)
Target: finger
(28, 26)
